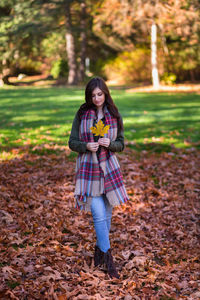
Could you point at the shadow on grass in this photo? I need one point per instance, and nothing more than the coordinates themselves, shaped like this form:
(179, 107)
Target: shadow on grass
(28, 113)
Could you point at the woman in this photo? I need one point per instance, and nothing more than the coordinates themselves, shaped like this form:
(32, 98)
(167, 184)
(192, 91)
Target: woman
(99, 185)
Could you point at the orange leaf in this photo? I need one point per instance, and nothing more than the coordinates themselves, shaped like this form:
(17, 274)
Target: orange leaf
(100, 129)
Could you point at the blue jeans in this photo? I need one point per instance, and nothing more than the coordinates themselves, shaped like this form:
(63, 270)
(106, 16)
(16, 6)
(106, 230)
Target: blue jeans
(102, 214)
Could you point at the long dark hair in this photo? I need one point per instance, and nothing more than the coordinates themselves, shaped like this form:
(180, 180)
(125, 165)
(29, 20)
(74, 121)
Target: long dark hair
(100, 83)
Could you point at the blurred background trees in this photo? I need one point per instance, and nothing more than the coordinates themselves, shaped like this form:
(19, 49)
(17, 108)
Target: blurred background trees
(127, 25)
(111, 38)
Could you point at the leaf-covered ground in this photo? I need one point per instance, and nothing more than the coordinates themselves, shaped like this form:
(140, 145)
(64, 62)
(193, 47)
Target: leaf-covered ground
(46, 249)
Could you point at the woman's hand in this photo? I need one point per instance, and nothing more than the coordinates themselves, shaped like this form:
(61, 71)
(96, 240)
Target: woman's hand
(93, 147)
(105, 142)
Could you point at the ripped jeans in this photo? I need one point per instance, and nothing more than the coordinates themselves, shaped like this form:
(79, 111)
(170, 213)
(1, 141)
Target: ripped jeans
(102, 213)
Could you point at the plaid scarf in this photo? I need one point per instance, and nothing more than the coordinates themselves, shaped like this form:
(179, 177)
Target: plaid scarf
(97, 175)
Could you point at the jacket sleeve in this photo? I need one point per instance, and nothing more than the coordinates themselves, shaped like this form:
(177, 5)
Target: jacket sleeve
(74, 142)
(118, 144)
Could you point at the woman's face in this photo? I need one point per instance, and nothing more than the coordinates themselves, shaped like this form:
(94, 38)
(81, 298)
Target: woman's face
(98, 97)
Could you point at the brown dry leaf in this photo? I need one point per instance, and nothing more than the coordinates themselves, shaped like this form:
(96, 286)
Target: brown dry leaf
(12, 296)
(6, 216)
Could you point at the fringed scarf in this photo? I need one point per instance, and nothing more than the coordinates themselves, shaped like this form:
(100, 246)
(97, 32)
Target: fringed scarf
(97, 175)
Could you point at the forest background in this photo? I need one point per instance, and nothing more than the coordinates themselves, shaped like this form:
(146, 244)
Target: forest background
(126, 42)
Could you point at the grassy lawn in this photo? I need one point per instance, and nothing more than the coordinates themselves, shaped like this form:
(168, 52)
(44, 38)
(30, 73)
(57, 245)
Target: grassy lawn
(34, 116)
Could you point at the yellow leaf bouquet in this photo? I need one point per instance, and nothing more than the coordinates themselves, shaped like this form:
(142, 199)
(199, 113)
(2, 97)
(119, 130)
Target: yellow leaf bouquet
(100, 129)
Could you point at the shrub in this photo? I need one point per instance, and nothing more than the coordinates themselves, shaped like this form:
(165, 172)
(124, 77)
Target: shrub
(59, 69)
(129, 67)
(168, 78)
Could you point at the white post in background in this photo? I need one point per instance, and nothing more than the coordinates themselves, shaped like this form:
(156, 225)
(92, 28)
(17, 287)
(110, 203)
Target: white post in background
(155, 77)
(87, 66)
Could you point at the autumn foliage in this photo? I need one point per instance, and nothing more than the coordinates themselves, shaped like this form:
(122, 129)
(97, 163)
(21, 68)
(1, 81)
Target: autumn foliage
(47, 245)
(100, 129)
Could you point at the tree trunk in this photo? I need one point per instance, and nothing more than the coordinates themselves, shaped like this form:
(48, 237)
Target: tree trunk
(5, 79)
(83, 42)
(70, 48)
(5, 74)
(155, 76)
(192, 76)
(1, 81)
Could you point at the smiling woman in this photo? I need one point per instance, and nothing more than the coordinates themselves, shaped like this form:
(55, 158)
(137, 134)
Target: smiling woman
(99, 184)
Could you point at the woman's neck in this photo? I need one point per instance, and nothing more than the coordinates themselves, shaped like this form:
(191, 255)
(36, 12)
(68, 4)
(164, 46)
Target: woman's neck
(100, 113)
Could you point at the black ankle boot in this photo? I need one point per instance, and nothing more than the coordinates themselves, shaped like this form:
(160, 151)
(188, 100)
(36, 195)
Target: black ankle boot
(98, 257)
(108, 260)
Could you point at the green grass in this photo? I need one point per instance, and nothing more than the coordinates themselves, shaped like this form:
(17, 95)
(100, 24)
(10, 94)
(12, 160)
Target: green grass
(34, 116)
